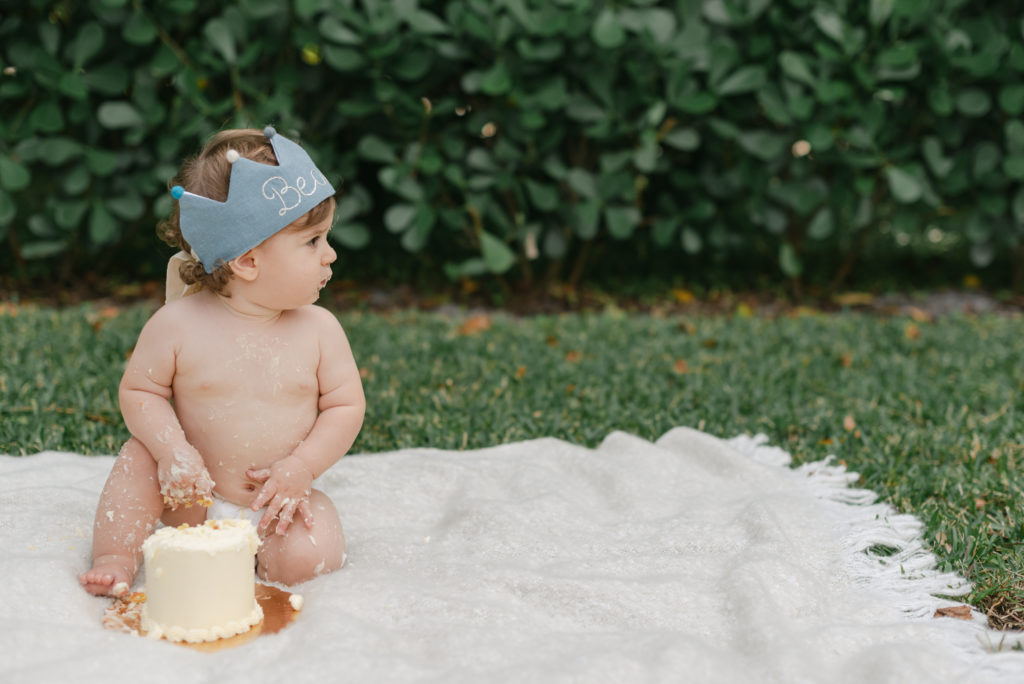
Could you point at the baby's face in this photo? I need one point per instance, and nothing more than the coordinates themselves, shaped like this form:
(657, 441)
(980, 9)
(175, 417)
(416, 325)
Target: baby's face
(295, 264)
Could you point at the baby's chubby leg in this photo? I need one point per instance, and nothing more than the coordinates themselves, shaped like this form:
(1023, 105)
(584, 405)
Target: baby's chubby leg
(129, 507)
(302, 553)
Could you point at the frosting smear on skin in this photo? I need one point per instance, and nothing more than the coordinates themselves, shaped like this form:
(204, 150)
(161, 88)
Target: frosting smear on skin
(200, 581)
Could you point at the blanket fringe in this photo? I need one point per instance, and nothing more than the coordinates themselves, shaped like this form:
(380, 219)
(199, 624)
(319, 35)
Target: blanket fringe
(886, 553)
(885, 550)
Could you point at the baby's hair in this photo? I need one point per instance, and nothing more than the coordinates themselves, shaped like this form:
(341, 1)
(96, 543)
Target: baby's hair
(208, 174)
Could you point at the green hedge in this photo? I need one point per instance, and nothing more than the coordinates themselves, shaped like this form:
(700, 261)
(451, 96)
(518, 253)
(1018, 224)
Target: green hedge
(513, 136)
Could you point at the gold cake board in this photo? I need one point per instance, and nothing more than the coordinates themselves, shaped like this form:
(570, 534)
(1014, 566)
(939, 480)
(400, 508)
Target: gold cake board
(125, 615)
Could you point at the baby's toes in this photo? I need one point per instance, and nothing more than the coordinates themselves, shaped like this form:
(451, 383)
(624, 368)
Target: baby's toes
(96, 577)
(108, 576)
(98, 583)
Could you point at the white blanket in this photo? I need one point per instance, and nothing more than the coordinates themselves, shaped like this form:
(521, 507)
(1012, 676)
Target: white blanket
(691, 559)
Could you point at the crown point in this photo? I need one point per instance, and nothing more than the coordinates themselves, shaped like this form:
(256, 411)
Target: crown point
(269, 132)
(177, 191)
(232, 156)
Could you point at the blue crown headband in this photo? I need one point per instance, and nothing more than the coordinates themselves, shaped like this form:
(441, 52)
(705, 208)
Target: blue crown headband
(262, 199)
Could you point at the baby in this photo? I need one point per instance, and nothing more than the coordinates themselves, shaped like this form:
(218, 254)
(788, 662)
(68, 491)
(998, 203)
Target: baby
(239, 392)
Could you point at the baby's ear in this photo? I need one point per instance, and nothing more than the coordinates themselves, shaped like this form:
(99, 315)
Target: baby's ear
(245, 266)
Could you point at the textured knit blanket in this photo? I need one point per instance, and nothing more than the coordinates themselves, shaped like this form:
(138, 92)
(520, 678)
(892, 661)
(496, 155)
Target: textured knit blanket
(687, 559)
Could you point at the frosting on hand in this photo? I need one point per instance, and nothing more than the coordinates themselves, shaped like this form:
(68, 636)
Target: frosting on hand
(184, 480)
(287, 485)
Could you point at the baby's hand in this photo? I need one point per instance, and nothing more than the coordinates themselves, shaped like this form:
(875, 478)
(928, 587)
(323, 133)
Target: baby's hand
(286, 488)
(184, 480)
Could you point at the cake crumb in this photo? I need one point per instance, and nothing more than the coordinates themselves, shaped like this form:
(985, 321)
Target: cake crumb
(125, 614)
(296, 601)
(119, 589)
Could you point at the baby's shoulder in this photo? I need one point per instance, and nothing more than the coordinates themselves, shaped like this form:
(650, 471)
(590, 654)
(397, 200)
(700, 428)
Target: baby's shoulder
(179, 315)
(317, 322)
(314, 315)
(180, 308)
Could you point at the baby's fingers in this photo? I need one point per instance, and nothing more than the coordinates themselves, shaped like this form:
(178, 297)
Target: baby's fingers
(205, 483)
(263, 498)
(307, 513)
(204, 489)
(285, 517)
(261, 475)
(265, 521)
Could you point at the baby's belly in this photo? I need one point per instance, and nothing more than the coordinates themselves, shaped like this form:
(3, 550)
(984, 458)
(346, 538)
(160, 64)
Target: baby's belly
(231, 444)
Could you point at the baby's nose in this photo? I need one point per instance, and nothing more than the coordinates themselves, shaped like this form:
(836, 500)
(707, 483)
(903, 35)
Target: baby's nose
(330, 255)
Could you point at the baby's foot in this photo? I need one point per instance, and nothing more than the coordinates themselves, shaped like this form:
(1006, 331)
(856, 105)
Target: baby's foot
(109, 576)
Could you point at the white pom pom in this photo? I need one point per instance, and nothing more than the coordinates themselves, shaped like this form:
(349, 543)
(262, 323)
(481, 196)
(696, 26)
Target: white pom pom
(232, 156)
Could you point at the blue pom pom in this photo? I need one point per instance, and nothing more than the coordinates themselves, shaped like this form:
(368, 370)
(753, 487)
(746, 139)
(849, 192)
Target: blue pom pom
(269, 132)
(177, 191)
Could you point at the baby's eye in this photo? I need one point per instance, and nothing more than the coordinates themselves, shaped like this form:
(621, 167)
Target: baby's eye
(312, 243)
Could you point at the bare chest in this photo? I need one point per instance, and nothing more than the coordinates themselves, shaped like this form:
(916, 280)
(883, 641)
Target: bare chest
(248, 366)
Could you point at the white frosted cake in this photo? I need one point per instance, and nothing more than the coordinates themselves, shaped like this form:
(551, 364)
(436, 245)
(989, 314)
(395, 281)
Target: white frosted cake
(201, 581)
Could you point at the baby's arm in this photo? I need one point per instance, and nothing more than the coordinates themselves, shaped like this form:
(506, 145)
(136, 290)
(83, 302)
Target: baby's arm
(287, 483)
(145, 394)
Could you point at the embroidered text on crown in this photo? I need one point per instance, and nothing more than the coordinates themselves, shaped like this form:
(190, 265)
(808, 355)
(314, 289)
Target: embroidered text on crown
(291, 196)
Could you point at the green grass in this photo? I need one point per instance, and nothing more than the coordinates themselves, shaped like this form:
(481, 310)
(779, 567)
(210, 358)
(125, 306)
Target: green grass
(936, 407)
